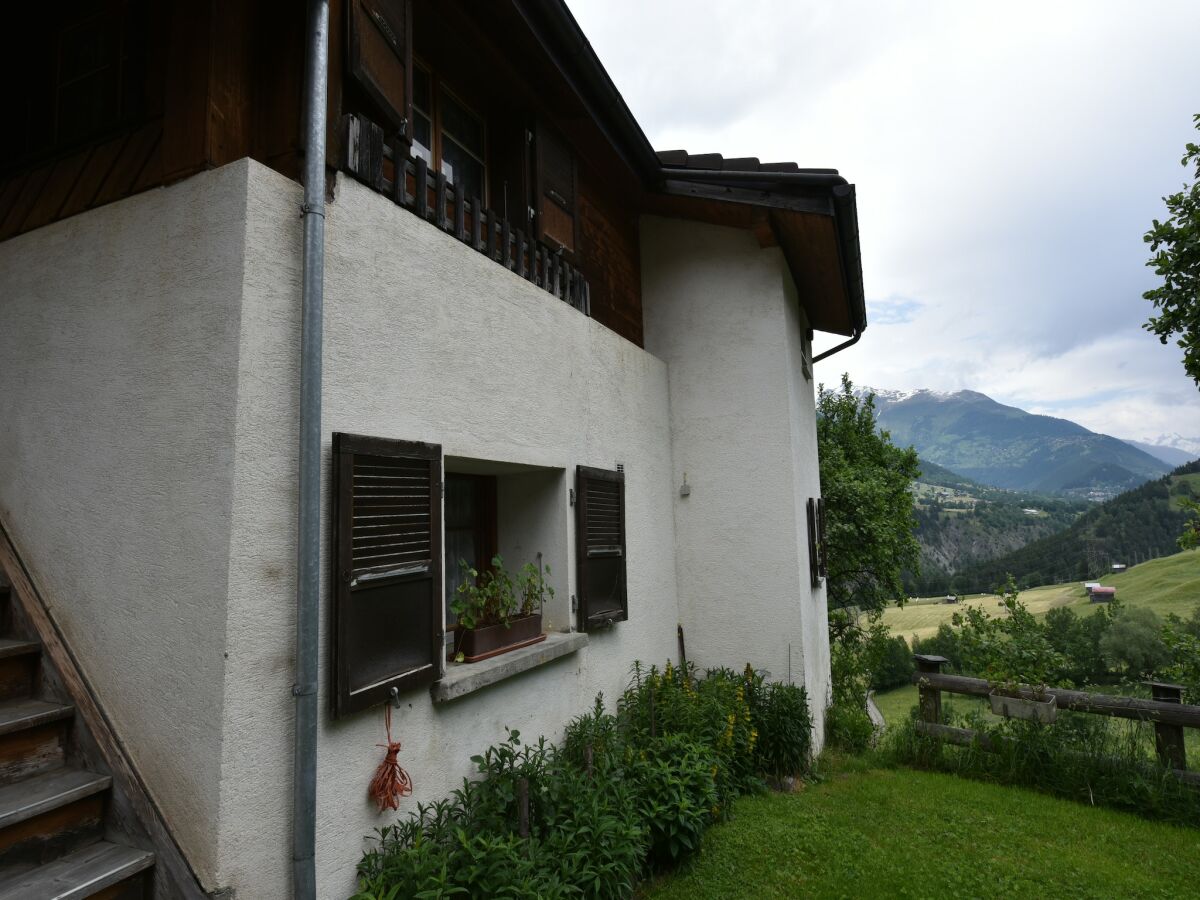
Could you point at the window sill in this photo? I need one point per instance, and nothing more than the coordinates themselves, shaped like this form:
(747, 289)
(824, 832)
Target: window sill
(466, 678)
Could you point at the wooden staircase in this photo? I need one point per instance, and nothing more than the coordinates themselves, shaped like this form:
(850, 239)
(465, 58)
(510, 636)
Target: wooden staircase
(58, 837)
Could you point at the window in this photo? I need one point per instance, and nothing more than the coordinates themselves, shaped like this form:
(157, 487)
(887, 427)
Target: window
(470, 514)
(600, 547)
(387, 549)
(448, 135)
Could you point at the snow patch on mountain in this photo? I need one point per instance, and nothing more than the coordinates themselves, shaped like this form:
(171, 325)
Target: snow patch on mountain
(1179, 442)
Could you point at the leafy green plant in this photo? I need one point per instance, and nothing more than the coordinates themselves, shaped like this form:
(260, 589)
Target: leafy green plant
(1176, 260)
(531, 589)
(1182, 641)
(495, 597)
(1133, 643)
(484, 598)
(784, 731)
(676, 787)
(625, 791)
(1009, 650)
(585, 837)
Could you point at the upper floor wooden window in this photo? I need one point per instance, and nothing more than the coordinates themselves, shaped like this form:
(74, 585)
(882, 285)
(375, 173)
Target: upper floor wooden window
(448, 134)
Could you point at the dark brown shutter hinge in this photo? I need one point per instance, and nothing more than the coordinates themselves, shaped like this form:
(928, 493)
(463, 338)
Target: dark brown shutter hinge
(572, 494)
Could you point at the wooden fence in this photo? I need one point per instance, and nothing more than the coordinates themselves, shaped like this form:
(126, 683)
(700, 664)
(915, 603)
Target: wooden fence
(386, 167)
(1166, 710)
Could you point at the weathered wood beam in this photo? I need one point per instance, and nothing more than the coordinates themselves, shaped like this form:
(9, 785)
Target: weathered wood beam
(1076, 701)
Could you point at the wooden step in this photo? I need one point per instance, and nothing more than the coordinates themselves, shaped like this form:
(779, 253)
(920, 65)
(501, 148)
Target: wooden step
(18, 663)
(42, 793)
(84, 873)
(16, 647)
(47, 815)
(17, 715)
(33, 737)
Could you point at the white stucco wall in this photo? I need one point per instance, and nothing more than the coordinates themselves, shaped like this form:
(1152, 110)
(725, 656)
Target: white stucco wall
(148, 422)
(118, 390)
(424, 340)
(722, 313)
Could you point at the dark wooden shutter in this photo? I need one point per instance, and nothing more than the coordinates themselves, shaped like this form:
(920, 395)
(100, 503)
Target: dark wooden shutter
(600, 547)
(380, 54)
(387, 584)
(555, 189)
(822, 545)
(817, 567)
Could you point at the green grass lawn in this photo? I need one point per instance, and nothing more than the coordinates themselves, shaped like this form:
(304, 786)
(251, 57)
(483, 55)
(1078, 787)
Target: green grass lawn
(903, 833)
(1166, 585)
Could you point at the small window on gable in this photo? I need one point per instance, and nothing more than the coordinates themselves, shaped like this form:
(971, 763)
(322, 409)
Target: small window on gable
(600, 547)
(387, 586)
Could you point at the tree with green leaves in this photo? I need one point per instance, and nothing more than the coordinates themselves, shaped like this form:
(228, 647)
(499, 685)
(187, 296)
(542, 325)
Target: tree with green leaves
(1175, 245)
(866, 481)
(1190, 539)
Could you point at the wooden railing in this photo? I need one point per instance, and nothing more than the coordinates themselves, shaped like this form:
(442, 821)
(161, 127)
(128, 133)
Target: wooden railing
(385, 166)
(1166, 710)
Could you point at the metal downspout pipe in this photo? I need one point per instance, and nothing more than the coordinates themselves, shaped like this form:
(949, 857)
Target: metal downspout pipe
(839, 348)
(308, 549)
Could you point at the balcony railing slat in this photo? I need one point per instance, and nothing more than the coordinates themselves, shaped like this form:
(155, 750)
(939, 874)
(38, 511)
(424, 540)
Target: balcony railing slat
(366, 154)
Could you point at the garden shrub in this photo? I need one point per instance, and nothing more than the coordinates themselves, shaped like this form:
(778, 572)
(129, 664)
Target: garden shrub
(675, 781)
(847, 725)
(623, 794)
(784, 730)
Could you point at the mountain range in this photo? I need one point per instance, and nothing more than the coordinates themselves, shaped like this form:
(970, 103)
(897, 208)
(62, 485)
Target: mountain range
(1140, 524)
(971, 434)
(1171, 455)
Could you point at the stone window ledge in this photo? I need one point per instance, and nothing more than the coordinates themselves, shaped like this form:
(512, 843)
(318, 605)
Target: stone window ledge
(466, 678)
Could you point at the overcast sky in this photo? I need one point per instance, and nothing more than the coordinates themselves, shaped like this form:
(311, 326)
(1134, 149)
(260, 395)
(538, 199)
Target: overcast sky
(1008, 157)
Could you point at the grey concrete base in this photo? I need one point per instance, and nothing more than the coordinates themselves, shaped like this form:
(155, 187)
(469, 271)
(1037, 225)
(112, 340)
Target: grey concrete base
(466, 678)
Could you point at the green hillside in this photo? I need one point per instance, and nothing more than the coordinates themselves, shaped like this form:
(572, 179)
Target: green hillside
(1170, 584)
(973, 435)
(960, 522)
(1138, 525)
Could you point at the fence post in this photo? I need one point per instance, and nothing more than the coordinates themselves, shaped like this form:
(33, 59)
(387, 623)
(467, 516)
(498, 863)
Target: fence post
(931, 697)
(1168, 739)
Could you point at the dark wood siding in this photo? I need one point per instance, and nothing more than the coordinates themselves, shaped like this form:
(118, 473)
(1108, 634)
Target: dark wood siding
(206, 82)
(609, 256)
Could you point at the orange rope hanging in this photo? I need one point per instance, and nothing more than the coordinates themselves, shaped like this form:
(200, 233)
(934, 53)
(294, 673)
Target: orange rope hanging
(390, 782)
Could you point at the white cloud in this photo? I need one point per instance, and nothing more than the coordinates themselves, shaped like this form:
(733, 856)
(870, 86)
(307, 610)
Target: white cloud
(1008, 159)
